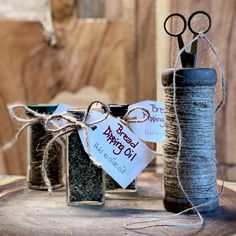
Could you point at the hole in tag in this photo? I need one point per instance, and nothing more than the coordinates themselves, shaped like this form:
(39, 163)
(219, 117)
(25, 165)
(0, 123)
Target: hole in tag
(94, 127)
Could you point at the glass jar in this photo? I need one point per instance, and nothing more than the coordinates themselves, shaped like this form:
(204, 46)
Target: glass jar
(111, 185)
(38, 138)
(85, 181)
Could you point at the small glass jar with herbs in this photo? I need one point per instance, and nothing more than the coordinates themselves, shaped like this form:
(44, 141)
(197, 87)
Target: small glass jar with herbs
(112, 186)
(85, 181)
(37, 140)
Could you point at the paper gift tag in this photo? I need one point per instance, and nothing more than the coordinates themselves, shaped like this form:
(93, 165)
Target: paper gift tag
(121, 153)
(62, 108)
(151, 130)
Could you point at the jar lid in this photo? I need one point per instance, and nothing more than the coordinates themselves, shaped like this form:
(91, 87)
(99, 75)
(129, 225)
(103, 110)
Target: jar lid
(47, 109)
(118, 110)
(79, 113)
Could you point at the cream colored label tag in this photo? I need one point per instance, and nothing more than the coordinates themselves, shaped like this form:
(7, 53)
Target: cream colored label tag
(151, 130)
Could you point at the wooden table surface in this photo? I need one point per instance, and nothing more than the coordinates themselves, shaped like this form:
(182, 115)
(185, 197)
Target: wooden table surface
(35, 213)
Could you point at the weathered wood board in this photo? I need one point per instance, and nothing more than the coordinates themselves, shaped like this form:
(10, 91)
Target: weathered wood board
(33, 72)
(30, 212)
(90, 52)
(140, 56)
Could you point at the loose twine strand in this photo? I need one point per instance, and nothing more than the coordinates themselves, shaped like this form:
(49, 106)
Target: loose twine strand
(132, 223)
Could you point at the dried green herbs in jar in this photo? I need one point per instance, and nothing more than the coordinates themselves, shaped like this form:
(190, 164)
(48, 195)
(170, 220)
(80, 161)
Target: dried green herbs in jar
(38, 138)
(111, 185)
(85, 181)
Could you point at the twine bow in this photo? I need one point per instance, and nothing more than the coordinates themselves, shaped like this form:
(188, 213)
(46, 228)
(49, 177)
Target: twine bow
(126, 119)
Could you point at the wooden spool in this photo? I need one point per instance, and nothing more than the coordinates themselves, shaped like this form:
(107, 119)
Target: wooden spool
(190, 77)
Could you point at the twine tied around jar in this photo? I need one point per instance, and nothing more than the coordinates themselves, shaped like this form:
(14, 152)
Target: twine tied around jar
(50, 125)
(73, 124)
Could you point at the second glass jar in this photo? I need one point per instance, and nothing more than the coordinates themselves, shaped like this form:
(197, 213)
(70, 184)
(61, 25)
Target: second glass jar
(85, 181)
(119, 110)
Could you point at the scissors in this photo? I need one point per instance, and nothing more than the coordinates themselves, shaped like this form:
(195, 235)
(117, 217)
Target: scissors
(188, 59)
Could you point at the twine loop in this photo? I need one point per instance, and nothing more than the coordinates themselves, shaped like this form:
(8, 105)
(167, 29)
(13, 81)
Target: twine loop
(126, 119)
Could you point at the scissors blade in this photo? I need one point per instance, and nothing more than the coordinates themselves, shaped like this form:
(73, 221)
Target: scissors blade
(180, 42)
(193, 49)
(187, 59)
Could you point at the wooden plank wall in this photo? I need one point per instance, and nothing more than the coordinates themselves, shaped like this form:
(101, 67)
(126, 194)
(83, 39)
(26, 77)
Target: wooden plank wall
(140, 49)
(223, 36)
(93, 52)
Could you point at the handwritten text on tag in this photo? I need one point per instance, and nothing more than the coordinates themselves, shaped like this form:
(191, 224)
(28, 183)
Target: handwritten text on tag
(151, 130)
(122, 154)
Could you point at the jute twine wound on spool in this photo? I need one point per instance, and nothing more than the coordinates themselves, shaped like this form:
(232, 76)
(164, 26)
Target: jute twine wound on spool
(189, 148)
(195, 92)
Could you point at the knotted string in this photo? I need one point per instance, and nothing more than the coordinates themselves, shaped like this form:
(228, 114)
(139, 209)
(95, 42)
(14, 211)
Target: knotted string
(126, 119)
(158, 220)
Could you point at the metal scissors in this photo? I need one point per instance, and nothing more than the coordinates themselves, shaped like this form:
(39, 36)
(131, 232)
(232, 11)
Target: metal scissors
(188, 59)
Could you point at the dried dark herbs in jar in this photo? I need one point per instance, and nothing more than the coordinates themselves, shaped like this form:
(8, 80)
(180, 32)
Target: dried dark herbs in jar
(85, 181)
(111, 185)
(38, 138)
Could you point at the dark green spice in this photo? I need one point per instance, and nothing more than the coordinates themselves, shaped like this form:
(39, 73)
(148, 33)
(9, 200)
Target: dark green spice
(111, 184)
(38, 138)
(85, 181)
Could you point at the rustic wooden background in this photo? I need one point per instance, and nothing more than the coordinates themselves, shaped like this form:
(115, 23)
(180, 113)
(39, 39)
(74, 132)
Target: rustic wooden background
(117, 48)
(104, 44)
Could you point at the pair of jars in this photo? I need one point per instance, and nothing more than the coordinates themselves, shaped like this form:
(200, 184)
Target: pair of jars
(85, 182)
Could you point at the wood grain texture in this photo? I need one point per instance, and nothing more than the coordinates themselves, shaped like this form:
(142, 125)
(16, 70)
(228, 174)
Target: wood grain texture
(32, 209)
(91, 8)
(146, 36)
(139, 54)
(131, 50)
(115, 56)
(33, 72)
(223, 36)
(113, 9)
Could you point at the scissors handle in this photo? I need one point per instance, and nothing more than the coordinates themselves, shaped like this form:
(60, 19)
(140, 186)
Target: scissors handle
(188, 59)
(191, 18)
(184, 24)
